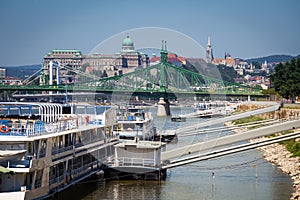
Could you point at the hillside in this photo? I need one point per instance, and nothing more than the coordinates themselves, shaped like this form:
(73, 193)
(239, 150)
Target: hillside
(272, 58)
(21, 71)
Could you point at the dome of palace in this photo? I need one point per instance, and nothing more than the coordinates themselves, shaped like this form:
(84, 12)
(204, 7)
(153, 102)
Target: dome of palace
(127, 41)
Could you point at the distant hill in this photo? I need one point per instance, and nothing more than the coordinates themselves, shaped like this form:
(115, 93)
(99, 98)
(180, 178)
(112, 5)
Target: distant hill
(273, 58)
(21, 72)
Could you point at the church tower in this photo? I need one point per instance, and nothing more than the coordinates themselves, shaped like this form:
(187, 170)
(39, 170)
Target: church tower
(209, 52)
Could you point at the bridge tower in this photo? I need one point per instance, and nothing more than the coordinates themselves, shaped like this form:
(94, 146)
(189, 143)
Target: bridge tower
(163, 61)
(163, 104)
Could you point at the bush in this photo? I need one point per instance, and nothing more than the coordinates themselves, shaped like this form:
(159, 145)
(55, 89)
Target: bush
(292, 146)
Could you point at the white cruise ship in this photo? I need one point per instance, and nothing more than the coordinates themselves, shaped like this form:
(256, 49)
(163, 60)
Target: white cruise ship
(45, 148)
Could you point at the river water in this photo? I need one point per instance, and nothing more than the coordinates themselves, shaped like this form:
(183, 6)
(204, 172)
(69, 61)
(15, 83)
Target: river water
(244, 175)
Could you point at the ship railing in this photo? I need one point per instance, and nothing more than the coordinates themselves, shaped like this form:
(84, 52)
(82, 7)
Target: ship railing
(127, 161)
(49, 128)
(76, 173)
(57, 150)
(83, 169)
(54, 128)
(130, 118)
(57, 180)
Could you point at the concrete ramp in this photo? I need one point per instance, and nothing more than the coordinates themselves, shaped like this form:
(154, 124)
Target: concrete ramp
(229, 150)
(273, 107)
(226, 140)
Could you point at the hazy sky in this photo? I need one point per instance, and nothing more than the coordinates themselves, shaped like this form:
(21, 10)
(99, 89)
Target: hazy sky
(32, 28)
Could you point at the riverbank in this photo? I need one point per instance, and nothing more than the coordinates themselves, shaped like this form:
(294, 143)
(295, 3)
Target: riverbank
(278, 155)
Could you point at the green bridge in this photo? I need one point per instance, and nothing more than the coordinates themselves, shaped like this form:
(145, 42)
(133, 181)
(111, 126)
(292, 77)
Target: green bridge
(162, 79)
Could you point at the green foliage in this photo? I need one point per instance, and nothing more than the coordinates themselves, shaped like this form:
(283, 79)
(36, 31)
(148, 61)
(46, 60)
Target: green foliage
(269, 91)
(227, 73)
(256, 65)
(292, 146)
(286, 79)
(247, 120)
(273, 58)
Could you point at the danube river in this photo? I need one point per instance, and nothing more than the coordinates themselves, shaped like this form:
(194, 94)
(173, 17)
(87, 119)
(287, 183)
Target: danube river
(240, 176)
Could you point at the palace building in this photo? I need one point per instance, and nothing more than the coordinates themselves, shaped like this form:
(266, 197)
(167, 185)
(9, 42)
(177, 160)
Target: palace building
(127, 60)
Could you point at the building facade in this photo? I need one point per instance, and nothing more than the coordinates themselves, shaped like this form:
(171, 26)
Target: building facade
(57, 65)
(2, 73)
(127, 60)
(65, 57)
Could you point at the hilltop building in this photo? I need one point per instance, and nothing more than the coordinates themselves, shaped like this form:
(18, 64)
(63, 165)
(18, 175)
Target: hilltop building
(8, 80)
(173, 58)
(71, 57)
(127, 60)
(229, 61)
(2, 73)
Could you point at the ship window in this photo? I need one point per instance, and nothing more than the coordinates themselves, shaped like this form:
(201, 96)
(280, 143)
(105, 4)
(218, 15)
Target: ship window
(66, 110)
(140, 125)
(128, 126)
(30, 148)
(43, 148)
(38, 179)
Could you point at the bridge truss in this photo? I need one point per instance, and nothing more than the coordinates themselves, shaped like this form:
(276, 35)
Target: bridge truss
(167, 78)
(160, 78)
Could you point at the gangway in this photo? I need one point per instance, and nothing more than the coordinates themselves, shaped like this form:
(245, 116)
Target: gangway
(185, 129)
(229, 150)
(232, 127)
(230, 139)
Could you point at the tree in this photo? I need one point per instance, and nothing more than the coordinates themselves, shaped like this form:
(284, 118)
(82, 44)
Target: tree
(256, 65)
(286, 79)
(227, 73)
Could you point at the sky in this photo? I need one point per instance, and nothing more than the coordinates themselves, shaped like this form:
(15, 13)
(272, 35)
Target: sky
(246, 29)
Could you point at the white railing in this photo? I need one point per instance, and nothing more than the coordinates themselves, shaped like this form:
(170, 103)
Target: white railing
(126, 161)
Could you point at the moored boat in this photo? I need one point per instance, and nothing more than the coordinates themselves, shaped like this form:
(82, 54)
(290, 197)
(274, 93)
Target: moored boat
(178, 118)
(46, 147)
(134, 124)
(137, 160)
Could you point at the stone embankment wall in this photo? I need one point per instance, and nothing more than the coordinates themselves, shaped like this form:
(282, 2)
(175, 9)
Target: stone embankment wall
(282, 114)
